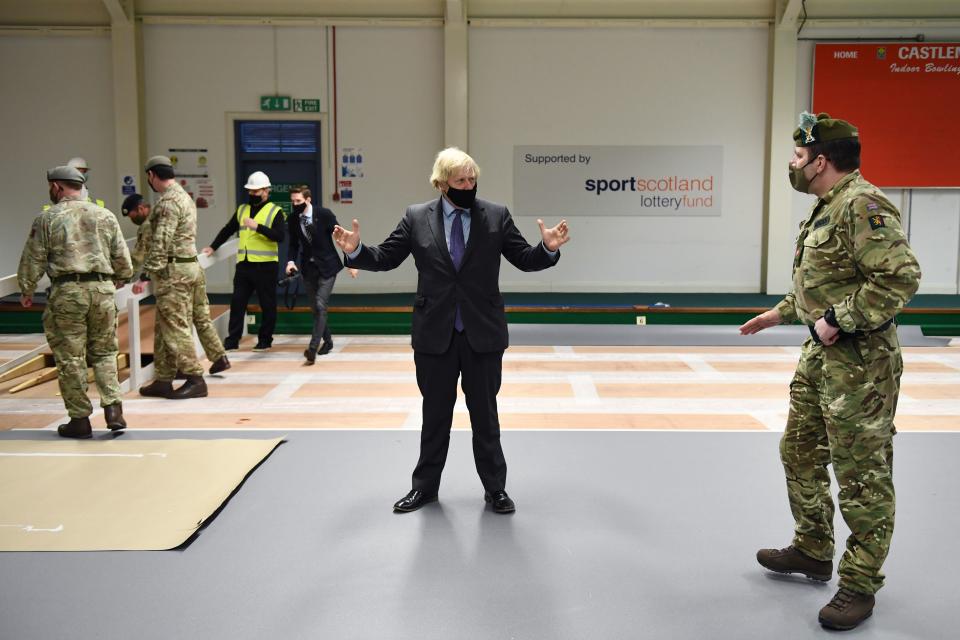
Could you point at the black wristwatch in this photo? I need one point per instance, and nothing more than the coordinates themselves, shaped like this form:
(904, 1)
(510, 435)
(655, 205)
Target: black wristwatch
(831, 317)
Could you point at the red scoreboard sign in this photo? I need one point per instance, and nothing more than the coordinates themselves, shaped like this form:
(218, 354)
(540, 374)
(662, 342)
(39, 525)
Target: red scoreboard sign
(905, 99)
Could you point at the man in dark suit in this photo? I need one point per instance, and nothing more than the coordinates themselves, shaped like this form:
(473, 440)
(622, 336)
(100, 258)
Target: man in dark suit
(312, 253)
(459, 325)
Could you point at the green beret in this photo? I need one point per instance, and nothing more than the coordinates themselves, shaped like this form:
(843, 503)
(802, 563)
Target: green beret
(157, 161)
(821, 128)
(65, 173)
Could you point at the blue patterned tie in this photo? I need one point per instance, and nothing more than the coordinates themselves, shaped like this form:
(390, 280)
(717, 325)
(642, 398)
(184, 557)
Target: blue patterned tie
(457, 248)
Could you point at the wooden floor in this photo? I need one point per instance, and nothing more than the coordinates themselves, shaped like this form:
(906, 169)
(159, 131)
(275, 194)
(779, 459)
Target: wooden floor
(368, 383)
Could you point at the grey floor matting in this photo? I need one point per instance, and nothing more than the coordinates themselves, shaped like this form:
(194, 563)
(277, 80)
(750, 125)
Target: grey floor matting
(617, 535)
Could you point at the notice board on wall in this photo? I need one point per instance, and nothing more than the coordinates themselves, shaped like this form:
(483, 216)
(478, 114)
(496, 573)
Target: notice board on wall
(904, 99)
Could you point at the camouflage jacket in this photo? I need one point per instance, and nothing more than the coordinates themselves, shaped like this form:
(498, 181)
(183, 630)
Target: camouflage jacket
(853, 255)
(173, 229)
(73, 237)
(139, 253)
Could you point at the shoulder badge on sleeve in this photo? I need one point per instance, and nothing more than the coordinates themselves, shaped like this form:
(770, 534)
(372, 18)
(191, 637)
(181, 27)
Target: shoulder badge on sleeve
(876, 221)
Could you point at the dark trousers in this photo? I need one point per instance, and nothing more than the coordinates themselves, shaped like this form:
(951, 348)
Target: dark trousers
(318, 297)
(250, 277)
(480, 375)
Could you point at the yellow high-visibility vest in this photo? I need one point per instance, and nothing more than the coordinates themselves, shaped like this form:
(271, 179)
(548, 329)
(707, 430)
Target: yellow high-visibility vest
(253, 246)
(97, 202)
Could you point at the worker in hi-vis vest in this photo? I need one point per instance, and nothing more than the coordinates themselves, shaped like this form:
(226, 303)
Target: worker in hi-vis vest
(81, 165)
(260, 224)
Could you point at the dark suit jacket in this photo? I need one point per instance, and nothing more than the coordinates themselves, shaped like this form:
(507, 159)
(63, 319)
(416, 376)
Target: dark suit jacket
(320, 256)
(440, 287)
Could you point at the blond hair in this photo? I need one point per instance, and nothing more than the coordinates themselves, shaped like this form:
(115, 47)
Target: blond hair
(448, 162)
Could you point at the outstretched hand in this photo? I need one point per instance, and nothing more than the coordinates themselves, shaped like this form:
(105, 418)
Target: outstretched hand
(554, 237)
(763, 321)
(348, 241)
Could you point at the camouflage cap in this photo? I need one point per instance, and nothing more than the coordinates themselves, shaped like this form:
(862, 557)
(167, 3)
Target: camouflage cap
(822, 128)
(130, 203)
(64, 172)
(157, 161)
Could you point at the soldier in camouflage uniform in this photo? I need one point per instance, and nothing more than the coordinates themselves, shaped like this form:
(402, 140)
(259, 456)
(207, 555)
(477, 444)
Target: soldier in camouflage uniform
(138, 210)
(171, 262)
(80, 246)
(853, 271)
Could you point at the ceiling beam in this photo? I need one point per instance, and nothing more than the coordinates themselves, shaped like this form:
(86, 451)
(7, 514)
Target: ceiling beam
(787, 13)
(121, 11)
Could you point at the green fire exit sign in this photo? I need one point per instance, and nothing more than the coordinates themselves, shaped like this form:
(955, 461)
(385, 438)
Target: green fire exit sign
(311, 105)
(275, 103)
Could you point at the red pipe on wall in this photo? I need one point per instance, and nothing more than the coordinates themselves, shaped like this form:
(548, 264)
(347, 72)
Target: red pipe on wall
(336, 149)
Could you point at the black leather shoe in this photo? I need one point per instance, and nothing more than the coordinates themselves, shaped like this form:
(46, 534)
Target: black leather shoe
(194, 387)
(222, 364)
(413, 501)
(262, 346)
(157, 389)
(310, 355)
(77, 428)
(500, 501)
(231, 346)
(326, 348)
(114, 417)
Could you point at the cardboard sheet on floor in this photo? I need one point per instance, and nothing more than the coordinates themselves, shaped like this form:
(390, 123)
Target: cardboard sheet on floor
(116, 495)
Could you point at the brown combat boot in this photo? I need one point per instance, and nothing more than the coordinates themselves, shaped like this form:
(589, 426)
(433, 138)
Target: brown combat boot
(113, 415)
(792, 560)
(77, 428)
(194, 387)
(847, 610)
(222, 364)
(157, 389)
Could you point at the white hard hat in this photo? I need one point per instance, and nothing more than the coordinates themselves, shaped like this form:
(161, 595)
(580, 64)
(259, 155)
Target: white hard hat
(77, 163)
(257, 180)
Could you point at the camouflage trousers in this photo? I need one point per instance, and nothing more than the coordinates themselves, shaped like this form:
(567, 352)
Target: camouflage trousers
(209, 340)
(80, 322)
(842, 402)
(174, 287)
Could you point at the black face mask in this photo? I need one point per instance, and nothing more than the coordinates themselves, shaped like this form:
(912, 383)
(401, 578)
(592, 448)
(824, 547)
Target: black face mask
(300, 208)
(254, 199)
(462, 198)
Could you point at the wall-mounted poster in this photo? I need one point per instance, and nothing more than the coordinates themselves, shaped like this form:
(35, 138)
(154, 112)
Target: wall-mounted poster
(192, 168)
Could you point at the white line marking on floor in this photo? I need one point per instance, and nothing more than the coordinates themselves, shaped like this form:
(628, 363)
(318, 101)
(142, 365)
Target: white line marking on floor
(698, 364)
(286, 389)
(29, 528)
(584, 390)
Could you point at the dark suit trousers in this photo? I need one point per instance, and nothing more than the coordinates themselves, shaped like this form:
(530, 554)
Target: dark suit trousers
(250, 277)
(437, 378)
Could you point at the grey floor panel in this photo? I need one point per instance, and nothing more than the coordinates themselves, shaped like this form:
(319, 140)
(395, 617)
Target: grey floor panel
(683, 335)
(617, 535)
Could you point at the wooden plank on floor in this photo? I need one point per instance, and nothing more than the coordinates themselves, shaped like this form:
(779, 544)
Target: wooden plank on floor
(686, 390)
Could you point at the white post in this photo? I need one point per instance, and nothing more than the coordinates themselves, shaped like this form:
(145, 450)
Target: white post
(133, 327)
(455, 89)
(783, 117)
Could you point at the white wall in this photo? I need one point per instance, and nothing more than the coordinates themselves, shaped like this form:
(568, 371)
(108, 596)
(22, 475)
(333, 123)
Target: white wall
(625, 86)
(389, 103)
(629, 86)
(46, 118)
